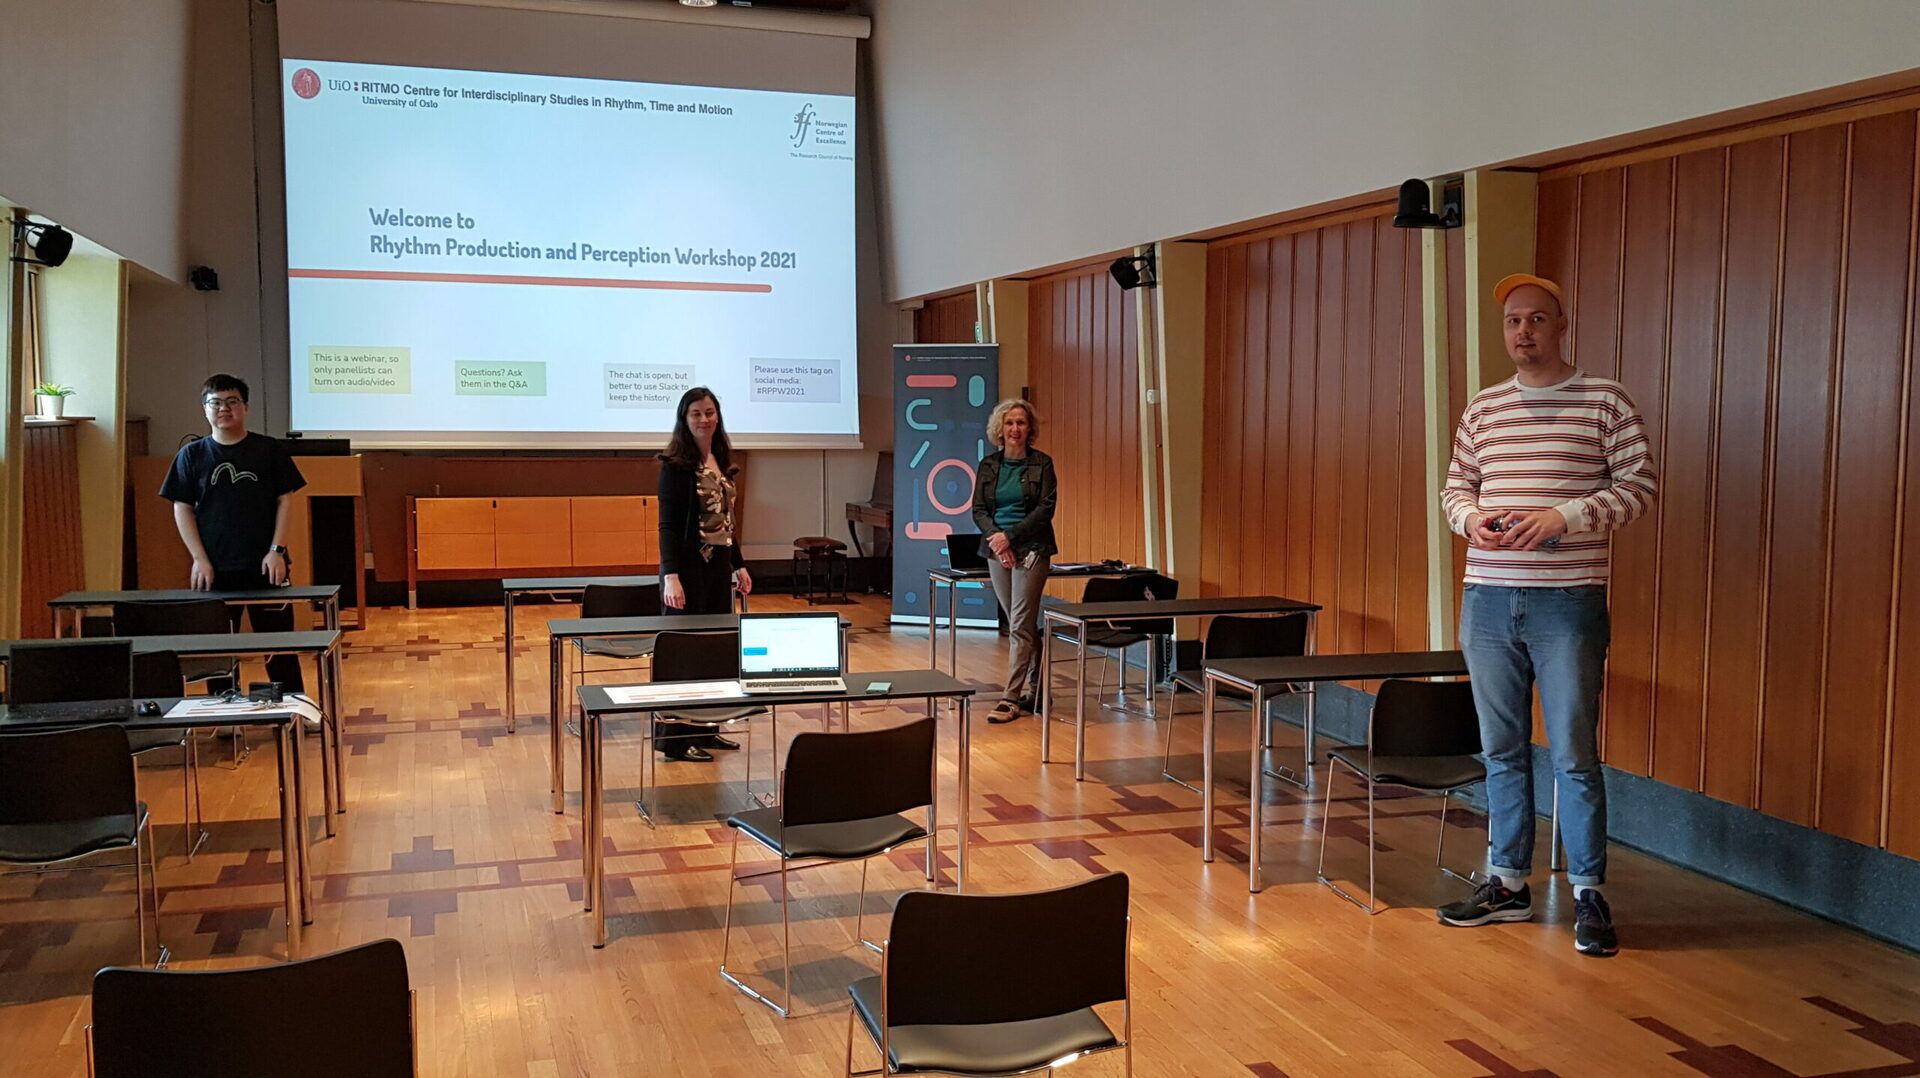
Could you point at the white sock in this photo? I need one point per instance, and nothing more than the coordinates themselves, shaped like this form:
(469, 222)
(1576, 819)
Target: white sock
(1581, 890)
(1516, 884)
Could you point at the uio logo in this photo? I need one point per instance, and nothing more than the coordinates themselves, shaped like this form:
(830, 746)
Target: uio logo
(306, 83)
(802, 122)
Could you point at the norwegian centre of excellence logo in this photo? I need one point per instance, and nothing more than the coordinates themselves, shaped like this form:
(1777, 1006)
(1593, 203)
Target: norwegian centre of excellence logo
(306, 83)
(802, 123)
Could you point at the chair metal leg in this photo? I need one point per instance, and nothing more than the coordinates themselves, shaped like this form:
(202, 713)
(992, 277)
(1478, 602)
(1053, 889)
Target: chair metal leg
(786, 942)
(1373, 902)
(726, 923)
(1371, 906)
(1440, 849)
(860, 911)
(850, 1009)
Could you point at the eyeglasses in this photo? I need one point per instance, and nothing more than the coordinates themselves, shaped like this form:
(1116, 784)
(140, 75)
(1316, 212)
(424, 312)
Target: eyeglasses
(225, 404)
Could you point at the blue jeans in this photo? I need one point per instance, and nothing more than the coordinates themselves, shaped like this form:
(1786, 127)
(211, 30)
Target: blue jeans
(1513, 638)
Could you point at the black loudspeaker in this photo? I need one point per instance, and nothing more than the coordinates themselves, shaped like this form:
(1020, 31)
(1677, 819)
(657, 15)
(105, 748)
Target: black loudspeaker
(1132, 273)
(51, 244)
(203, 279)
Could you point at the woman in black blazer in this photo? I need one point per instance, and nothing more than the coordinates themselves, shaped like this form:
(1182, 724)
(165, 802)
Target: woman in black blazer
(700, 562)
(1013, 497)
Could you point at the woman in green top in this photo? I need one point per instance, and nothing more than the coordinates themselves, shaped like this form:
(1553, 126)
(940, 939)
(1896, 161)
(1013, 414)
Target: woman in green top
(1013, 496)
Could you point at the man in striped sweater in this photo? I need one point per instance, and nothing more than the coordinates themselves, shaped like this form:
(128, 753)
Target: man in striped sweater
(1545, 466)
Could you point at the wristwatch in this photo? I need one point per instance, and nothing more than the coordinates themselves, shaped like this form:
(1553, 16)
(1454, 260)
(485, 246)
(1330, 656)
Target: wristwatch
(280, 550)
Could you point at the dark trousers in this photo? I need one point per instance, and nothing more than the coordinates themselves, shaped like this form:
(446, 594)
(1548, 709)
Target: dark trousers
(709, 588)
(284, 669)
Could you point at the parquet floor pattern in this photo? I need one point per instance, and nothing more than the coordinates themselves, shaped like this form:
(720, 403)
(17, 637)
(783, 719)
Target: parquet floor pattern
(450, 846)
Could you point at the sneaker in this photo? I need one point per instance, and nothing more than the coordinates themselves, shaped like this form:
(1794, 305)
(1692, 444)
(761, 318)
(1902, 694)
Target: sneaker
(1593, 926)
(1489, 903)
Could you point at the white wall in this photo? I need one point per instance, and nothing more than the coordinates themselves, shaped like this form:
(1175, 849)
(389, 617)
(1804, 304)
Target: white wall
(1017, 135)
(94, 119)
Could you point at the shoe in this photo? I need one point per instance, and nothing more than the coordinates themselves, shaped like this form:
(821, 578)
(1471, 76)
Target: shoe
(1593, 932)
(715, 741)
(1004, 712)
(1025, 704)
(1489, 902)
(693, 753)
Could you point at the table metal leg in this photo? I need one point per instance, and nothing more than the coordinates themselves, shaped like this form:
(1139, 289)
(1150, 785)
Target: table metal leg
(1257, 788)
(556, 776)
(933, 805)
(1310, 721)
(302, 847)
(290, 818)
(324, 691)
(330, 613)
(1206, 770)
(933, 625)
(513, 711)
(953, 628)
(1080, 708)
(338, 711)
(1046, 677)
(965, 812)
(599, 828)
(586, 817)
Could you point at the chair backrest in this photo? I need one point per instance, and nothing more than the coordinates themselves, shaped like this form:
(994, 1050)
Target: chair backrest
(1424, 718)
(832, 778)
(196, 617)
(350, 1012)
(621, 601)
(1132, 589)
(971, 958)
(58, 671)
(157, 673)
(66, 775)
(696, 656)
(1232, 636)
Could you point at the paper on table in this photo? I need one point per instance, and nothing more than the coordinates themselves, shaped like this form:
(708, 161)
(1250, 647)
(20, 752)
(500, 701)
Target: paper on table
(212, 705)
(672, 692)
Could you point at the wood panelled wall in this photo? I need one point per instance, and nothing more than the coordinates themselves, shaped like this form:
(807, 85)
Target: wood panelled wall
(1758, 301)
(1315, 469)
(50, 548)
(1083, 364)
(947, 319)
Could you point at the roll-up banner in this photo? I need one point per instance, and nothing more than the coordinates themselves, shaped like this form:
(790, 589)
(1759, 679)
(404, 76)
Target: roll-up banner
(942, 395)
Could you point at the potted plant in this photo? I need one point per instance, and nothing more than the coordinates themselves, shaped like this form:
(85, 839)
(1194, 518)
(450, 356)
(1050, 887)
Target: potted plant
(50, 398)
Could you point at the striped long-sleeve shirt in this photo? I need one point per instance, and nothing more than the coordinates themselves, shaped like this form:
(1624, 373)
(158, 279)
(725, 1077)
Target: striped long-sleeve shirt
(1579, 447)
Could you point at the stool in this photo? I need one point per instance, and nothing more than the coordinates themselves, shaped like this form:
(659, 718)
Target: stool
(825, 552)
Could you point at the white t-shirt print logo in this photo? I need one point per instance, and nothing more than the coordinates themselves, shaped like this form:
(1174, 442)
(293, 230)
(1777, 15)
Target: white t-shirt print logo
(233, 474)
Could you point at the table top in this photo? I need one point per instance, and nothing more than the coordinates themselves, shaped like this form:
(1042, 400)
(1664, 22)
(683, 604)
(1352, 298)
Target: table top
(569, 628)
(907, 685)
(27, 718)
(517, 584)
(302, 593)
(1055, 571)
(1179, 608)
(206, 644)
(1361, 666)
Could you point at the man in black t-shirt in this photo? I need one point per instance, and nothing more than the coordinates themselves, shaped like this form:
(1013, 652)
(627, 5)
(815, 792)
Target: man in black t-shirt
(231, 492)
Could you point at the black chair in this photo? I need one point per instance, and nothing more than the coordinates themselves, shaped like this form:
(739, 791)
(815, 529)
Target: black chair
(1232, 636)
(999, 984)
(70, 794)
(1114, 640)
(614, 601)
(72, 671)
(1424, 735)
(194, 617)
(346, 1013)
(697, 657)
(841, 799)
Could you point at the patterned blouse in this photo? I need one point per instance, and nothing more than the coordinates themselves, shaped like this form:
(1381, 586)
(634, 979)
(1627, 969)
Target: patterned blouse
(715, 495)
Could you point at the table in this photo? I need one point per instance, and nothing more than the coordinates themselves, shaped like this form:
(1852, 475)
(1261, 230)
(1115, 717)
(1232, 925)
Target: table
(324, 597)
(294, 855)
(1258, 676)
(928, 685)
(514, 587)
(1080, 615)
(322, 644)
(953, 578)
(561, 631)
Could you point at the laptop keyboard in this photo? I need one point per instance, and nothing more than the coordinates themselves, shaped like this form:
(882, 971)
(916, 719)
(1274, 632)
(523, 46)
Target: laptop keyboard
(800, 684)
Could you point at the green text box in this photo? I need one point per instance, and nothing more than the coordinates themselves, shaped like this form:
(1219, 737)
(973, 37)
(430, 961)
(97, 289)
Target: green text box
(475, 379)
(336, 369)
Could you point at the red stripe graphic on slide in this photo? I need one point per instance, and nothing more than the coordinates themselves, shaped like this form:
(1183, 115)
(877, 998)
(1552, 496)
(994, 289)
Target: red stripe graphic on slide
(503, 278)
(932, 381)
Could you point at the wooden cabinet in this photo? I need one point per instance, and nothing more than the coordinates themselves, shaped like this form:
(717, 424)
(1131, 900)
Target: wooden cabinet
(477, 538)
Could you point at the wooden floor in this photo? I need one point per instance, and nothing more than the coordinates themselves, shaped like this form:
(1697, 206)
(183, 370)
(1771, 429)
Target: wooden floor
(450, 846)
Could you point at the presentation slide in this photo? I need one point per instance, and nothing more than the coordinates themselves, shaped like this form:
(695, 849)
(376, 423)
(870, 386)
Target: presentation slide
(481, 258)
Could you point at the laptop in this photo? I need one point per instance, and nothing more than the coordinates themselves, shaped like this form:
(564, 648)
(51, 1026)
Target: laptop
(790, 653)
(963, 553)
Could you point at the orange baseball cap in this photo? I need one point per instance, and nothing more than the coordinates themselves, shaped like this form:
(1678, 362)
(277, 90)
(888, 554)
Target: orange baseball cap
(1505, 286)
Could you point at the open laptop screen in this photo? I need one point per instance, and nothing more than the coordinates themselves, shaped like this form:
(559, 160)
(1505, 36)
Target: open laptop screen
(781, 645)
